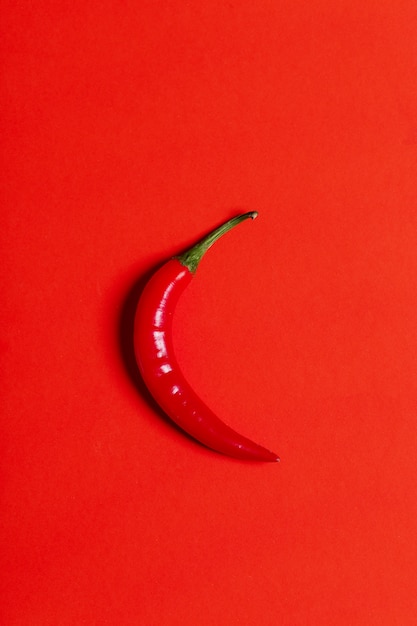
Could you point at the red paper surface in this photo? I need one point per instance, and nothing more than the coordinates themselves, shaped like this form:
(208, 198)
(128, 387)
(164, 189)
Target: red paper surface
(129, 129)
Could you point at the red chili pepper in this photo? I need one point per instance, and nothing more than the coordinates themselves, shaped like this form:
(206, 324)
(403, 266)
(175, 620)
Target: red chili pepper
(157, 362)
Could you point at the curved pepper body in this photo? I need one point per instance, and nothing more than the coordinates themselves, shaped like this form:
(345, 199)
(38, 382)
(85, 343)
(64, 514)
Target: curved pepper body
(163, 377)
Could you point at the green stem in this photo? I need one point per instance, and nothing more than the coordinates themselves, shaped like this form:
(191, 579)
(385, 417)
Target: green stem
(192, 257)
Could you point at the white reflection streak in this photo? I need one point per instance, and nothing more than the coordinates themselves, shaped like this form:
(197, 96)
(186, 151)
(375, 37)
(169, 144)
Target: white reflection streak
(159, 337)
(161, 312)
(158, 317)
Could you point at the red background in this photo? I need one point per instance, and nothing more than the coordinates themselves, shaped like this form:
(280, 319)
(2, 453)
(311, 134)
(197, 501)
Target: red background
(129, 129)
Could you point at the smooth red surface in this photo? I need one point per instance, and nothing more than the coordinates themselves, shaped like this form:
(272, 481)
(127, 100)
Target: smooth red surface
(162, 375)
(128, 130)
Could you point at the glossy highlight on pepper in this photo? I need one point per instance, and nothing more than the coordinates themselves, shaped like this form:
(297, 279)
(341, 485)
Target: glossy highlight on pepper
(157, 362)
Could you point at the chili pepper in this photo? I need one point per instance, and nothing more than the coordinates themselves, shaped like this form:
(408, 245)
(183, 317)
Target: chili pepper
(158, 365)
